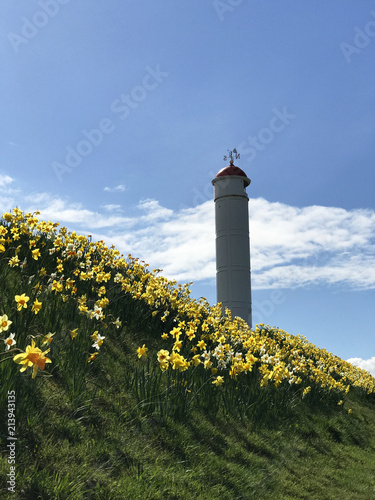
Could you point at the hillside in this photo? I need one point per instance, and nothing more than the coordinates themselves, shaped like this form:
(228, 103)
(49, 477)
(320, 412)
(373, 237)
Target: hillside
(117, 384)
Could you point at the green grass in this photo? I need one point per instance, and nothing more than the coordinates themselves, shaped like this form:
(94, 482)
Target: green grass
(121, 428)
(105, 445)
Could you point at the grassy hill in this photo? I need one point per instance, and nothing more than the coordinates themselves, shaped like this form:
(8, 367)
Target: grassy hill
(116, 384)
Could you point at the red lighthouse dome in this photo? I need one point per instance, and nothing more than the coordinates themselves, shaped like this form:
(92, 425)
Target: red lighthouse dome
(231, 170)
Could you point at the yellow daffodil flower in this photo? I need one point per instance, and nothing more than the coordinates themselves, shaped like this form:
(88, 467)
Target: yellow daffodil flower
(21, 301)
(57, 286)
(37, 306)
(201, 344)
(92, 357)
(218, 380)
(14, 261)
(32, 357)
(36, 253)
(163, 356)
(47, 339)
(74, 333)
(142, 351)
(94, 336)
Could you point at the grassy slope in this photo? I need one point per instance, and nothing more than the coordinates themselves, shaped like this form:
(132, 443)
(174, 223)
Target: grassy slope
(88, 431)
(104, 446)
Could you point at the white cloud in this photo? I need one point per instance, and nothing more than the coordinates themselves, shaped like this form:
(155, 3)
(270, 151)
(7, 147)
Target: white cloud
(280, 231)
(293, 246)
(112, 208)
(154, 211)
(290, 246)
(365, 364)
(6, 203)
(183, 245)
(120, 188)
(73, 214)
(4, 180)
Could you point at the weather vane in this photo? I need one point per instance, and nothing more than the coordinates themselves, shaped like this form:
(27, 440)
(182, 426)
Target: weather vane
(236, 155)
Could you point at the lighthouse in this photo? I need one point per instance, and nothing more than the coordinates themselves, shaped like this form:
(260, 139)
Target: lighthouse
(233, 275)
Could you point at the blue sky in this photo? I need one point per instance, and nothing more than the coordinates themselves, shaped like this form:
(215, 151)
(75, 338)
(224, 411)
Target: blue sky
(115, 117)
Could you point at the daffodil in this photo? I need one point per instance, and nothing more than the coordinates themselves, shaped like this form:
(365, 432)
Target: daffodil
(306, 391)
(201, 344)
(74, 333)
(4, 323)
(14, 261)
(57, 286)
(69, 283)
(47, 339)
(32, 357)
(196, 360)
(117, 323)
(190, 334)
(92, 357)
(163, 356)
(97, 313)
(142, 351)
(21, 301)
(178, 362)
(175, 332)
(218, 380)
(94, 336)
(37, 306)
(9, 342)
(98, 342)
(35, 253)
(177, 345)
(207, 364)
(7, 216)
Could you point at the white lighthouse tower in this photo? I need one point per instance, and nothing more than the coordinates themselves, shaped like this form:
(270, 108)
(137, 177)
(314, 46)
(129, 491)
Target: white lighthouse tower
(233, 276)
